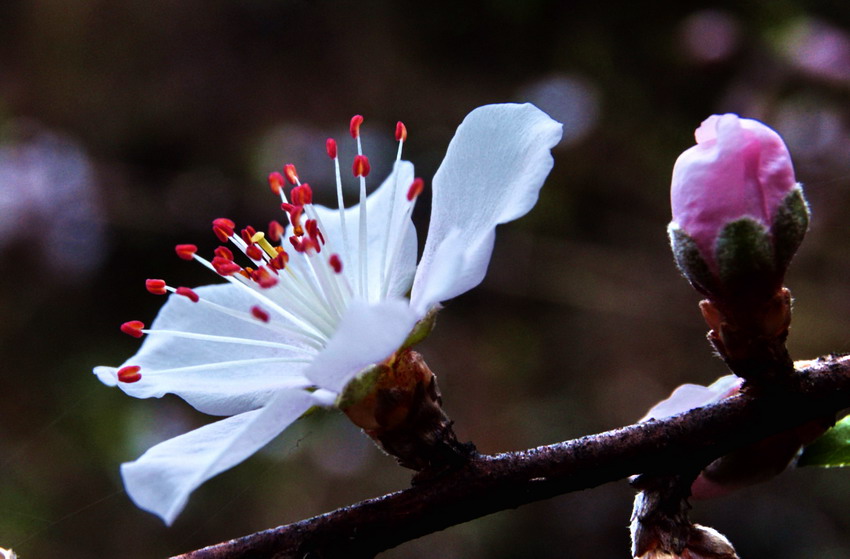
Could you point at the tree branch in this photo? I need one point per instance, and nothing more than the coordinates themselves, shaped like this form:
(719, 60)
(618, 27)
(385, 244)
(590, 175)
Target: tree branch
(488, 484)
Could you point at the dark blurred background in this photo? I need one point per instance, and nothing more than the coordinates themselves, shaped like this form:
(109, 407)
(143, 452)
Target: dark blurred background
(125, 127)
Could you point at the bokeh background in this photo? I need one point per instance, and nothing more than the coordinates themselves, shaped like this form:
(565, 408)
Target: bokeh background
(126, 127)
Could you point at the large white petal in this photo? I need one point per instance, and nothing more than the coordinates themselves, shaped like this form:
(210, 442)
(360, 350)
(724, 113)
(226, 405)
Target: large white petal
(162, 479)
(367, 334)
(390, 199)
(219, 378)
(492, 173)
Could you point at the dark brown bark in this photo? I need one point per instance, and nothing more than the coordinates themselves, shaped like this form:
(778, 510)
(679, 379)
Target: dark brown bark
(488, 484)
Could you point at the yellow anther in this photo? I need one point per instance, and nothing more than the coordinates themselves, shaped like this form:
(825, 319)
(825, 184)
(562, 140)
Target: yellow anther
(260, 238)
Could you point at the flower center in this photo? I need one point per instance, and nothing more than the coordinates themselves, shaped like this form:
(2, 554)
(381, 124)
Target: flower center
(297, 273)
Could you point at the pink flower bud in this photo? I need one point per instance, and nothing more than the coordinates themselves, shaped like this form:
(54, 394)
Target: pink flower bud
(739, 168)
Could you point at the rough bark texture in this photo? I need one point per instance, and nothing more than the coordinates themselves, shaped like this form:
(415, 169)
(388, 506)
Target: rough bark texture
(488, 484)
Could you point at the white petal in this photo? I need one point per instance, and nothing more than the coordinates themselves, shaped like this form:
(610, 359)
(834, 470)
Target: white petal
(224, 388)
(214, 377)
(689, 396)
(390, 197)
(492, 173)
(161, 480)
(367, 334)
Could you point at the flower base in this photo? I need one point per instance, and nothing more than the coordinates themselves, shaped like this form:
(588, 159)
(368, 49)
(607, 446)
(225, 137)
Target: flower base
(404, 416)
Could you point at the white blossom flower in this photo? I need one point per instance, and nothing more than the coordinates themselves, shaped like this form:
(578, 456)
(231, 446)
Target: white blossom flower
(292, 329)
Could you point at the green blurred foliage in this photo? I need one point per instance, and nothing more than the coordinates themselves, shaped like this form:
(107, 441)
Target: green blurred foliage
(830, 450)
(182, 109)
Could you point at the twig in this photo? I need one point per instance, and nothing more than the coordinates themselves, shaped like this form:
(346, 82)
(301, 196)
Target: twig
(488, 484)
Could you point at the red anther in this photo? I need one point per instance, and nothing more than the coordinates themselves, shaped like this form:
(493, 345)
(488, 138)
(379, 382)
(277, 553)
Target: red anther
(188, 293)
(254, 252)
(330, 145)
(155, 286)
(294, 217)
(275, 231)
(223, 228)
(336, 263)
(247, 234)
(314, 233)
(224, 222)
(129, 374)
(224, 252)
(225, 267)
(133, 328)
(264, 277)
(186, 252)
(400, 132)
(361, 166)
(302, 195)
(222, 234)
(354, 127)
(275, 182)
(416, 188)
(259, 314)
(280, 261)
(291, 173)
(301, 244)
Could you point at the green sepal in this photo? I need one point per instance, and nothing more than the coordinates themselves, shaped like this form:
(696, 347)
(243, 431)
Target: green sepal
(744, 255)
(830, 450)
(423, 328)
(689, 260)
(790, 224)
(360, 386)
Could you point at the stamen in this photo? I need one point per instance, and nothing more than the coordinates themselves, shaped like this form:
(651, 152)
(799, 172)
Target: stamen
(254, 252)
(129, 374)
(302, 195)
(413, 192)
(223, 252)
(330, 145)
(264, 277)
(280, 261)
(247, 233)
(354, 126)
(294, 213)
(225, 267)
(216, 338)
(335, 263)
(361, 169)
(223, 228)
(260, 314)
(361, 166)
(188, 293)
(293, 381)
(401, 137)
(186, 252)
(291, 174)
(275, 231)
(156, 286)
(275, 182)
(133, 328)
(416, 188)
(315, 329)
(315, 234)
